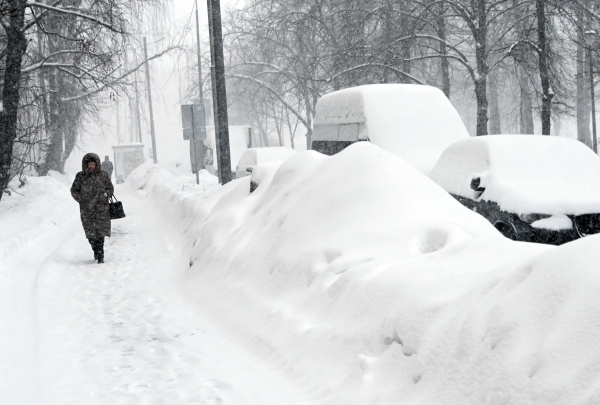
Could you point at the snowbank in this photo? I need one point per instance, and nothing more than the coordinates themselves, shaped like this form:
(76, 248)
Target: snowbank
(412, 121)
(524, 174)
(34, 221)
(372, 285)
(31, 215)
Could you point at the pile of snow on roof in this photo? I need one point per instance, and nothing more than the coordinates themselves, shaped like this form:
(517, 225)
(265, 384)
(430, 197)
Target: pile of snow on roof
(412, 121)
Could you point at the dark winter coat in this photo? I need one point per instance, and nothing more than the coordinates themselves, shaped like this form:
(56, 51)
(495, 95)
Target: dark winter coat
(107, 166)
(91, 190)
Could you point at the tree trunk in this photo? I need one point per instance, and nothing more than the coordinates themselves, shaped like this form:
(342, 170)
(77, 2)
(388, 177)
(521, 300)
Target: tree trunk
(482, 106)
(278, 124)
(480, 36)
(495, 123)
(309, 115)
(526, 108)
(525, 104)
(42, 81)
(543, 67)
(387, 28)
(63, 118)
(289, 125)
(445, 64)
(583, 89)
(405, 49)
(16, 44)
(54, 149)
(265, 132)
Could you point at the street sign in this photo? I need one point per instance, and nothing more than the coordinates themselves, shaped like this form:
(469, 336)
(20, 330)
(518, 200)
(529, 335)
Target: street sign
(193, 121)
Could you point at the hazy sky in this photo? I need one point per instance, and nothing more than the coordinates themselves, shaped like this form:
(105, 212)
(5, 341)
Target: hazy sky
(168, 89)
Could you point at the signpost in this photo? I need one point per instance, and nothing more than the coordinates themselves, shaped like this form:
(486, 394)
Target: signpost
(194, 129)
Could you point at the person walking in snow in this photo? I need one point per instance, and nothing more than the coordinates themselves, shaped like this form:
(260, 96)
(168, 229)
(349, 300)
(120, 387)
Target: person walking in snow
(107, 166)
(91, 189)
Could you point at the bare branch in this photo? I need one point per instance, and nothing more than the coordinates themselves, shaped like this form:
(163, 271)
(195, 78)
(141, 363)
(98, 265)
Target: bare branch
(117, 80)
(77, 14)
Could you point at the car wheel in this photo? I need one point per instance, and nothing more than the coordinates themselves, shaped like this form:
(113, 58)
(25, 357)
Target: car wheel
(507, 230)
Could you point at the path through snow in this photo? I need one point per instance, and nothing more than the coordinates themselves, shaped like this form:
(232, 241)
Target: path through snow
(118, 333)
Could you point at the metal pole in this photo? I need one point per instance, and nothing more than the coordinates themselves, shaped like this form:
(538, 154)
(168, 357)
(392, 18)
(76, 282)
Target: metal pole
(137, 108)
(198, 145)
(594, 138)
(193, 144)
(219, 91)
(154, 154)
(118, 120)
(200, 91)
(213, 90)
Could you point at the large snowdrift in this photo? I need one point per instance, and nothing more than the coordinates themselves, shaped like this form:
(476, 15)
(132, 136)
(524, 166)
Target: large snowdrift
(524, 174)
(412, 121)
(372, 285)
(366, 285)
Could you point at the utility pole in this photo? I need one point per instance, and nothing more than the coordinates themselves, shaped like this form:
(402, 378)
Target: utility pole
(219, 91)
(154, 154)
(213, 89)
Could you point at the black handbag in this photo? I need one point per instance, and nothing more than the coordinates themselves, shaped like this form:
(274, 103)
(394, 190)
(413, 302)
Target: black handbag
(115, 208)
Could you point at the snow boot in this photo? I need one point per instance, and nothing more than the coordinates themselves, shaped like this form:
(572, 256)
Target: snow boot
(98, 247)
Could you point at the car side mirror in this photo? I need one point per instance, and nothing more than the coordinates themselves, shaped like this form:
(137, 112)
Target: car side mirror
(476, 186)
(249, 169)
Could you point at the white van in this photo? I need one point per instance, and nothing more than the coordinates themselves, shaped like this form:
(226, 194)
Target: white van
(415, 122)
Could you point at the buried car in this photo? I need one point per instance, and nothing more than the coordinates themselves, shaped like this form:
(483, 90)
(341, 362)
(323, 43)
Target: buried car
(532, 188)
(254, 156)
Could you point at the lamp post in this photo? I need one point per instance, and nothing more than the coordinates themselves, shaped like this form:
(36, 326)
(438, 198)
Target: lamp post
(592, 95)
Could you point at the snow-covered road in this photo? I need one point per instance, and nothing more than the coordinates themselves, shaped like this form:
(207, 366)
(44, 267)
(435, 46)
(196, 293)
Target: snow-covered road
(118, 333)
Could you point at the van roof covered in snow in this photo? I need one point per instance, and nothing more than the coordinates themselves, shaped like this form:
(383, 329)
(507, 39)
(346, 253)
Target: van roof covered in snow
(524, 174)
(414, 122)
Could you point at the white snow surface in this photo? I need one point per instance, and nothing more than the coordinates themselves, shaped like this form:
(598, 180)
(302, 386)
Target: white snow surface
(415, 122)
(524, 174)
(555, 223)
(330, 284)
(256, 156)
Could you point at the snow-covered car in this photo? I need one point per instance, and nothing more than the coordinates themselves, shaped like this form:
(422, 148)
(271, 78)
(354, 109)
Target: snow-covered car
(532, 188)
(412, 121)
(254, 156)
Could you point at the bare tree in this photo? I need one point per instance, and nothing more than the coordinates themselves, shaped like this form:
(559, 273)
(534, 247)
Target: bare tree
(77, 53)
